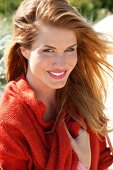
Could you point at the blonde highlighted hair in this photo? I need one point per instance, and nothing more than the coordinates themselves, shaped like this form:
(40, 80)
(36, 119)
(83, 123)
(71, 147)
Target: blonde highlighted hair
(85, 88)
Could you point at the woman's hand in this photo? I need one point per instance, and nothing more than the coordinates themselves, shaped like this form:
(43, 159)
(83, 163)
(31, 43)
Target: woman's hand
(81, 145)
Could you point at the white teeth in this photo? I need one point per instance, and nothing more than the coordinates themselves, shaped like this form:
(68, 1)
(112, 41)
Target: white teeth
(57, 74)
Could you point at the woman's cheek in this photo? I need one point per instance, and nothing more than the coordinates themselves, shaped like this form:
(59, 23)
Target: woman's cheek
(73, 60)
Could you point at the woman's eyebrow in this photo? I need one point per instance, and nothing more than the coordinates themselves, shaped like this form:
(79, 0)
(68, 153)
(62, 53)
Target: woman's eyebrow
(48, 46)
(74, 45)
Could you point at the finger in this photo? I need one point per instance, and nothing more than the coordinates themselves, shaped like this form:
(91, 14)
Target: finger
(83, 134)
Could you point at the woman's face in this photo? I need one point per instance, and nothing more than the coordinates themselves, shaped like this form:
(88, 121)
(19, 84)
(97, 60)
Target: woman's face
(52, 57)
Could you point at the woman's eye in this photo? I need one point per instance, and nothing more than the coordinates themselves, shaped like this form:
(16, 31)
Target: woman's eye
(70, 50)
(48, 50)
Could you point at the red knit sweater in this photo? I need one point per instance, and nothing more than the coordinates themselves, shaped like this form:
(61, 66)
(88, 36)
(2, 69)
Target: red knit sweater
(24, 143)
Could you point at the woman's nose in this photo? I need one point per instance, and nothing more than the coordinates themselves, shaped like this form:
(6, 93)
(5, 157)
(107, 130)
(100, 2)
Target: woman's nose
(59, 60)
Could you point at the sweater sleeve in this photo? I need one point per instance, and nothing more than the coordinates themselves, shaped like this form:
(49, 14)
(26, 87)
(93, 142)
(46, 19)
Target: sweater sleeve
(8, 163)
(14, 149)
(105, 157)
(12, 155)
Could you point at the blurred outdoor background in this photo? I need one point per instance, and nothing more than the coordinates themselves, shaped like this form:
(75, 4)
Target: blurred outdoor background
(98, 12)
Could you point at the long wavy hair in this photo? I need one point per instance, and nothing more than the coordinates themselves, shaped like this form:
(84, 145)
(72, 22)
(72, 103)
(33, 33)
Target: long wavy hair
(85, 89)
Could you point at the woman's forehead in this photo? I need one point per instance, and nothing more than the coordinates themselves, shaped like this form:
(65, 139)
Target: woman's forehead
(54, 33)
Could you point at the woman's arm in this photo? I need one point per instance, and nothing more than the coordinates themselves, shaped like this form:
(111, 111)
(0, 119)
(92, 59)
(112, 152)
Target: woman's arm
(10, 163)
(12, 156)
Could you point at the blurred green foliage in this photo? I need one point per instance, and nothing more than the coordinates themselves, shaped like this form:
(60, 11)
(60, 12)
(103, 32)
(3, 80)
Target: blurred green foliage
(7, 7)
(94, 10)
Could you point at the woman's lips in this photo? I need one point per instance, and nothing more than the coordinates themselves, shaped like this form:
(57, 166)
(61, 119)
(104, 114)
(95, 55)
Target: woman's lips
(57, 74)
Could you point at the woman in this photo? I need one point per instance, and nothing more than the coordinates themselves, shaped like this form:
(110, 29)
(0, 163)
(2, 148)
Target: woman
(51, 114)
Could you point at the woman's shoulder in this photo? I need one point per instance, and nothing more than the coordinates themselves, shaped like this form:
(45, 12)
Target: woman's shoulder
(17, 100)
(10, 107)
(11, 101)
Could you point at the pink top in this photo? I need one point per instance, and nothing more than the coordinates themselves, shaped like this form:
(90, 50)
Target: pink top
(81, 166)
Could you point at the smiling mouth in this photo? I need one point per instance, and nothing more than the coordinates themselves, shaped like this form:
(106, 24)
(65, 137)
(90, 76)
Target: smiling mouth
(57, 75)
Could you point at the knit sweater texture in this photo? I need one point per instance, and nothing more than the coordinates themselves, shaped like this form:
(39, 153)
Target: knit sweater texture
(25, 143)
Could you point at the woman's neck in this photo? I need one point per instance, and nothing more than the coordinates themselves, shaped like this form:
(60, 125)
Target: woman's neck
(45, 95)
(50, 103)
